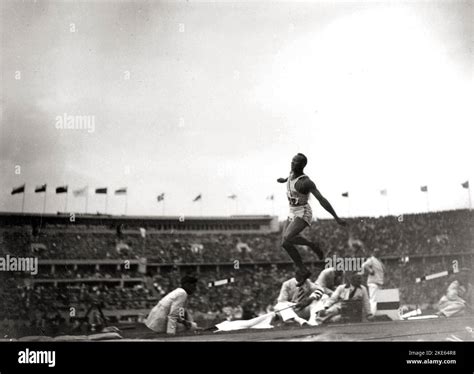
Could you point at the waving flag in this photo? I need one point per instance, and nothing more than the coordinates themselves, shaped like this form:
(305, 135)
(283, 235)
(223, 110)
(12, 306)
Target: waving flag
(121, 191)
(101, 190)
(40, 188)
(62, 189)
(160, 197)
(198, 197)
(20, 189)
(233, 196)
(465, 184)
(424, 188)
(271, 197)
(383, 192)
(345, 194)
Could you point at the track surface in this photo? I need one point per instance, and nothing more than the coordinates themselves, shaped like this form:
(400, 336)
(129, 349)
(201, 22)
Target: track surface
(420, 330)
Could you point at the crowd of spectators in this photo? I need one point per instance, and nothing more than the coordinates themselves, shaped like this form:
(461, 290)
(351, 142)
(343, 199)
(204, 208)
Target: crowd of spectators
(413, 234)
(87, 273)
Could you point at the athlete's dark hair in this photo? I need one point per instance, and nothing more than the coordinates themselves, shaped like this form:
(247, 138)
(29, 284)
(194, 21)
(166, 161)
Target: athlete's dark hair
(305, 160)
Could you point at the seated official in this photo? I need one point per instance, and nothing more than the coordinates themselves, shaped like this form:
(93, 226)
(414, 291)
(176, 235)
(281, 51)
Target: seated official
(329, 279)
(305, 297)
(170, 314)
(459, 296)
(344, 295)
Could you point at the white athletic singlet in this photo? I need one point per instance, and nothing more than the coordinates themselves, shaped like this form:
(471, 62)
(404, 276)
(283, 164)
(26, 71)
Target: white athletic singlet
(299, 206)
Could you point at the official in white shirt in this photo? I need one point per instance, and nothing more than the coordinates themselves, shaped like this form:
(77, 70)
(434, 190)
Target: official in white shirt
(352, 290)
(305, 297)
(329, 279)
(375, 270)
(170, 314)
(459, 296)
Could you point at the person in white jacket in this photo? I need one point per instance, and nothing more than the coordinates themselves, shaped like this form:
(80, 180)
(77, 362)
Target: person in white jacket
(305, 297)
(352, 290)
(329, 279)
(170, 315)
(458, 297)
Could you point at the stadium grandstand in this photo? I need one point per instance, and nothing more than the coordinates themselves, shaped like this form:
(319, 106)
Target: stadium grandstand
(125, 264)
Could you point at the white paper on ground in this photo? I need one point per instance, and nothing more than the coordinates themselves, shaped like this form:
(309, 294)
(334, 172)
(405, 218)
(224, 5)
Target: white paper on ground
(261, 322)
(429, 316)
(413, 313)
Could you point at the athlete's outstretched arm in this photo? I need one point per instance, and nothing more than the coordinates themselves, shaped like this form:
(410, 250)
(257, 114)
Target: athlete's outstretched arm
(311, 187)
(282, 180)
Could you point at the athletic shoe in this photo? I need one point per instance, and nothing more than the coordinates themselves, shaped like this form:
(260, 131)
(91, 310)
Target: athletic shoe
(301, 321)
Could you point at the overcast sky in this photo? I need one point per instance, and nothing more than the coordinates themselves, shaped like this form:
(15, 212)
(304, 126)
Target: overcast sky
(216, 98)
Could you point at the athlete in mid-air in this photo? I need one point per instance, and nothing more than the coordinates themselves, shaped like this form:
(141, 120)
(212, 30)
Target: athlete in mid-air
(299, 187)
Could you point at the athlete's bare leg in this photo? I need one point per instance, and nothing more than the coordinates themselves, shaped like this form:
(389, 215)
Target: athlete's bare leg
(291, 231)
(291, 234)
(315, 247)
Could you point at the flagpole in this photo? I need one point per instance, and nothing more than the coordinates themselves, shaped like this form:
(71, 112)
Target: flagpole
(23, 200)
(44, 202)
(384, 193)
(87, 198)
(469, 194)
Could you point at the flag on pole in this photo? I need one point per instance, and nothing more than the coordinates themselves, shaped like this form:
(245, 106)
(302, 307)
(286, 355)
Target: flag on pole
(61, 189)
(121, 191)
(384, 193)
(425, 189)
(270, 197)
(101, 190)
(40, 188)
(466, 186)
(80, 192)
(345, 194)
(20, 189)
(198, 197)
(233, 196)
(160, 197)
